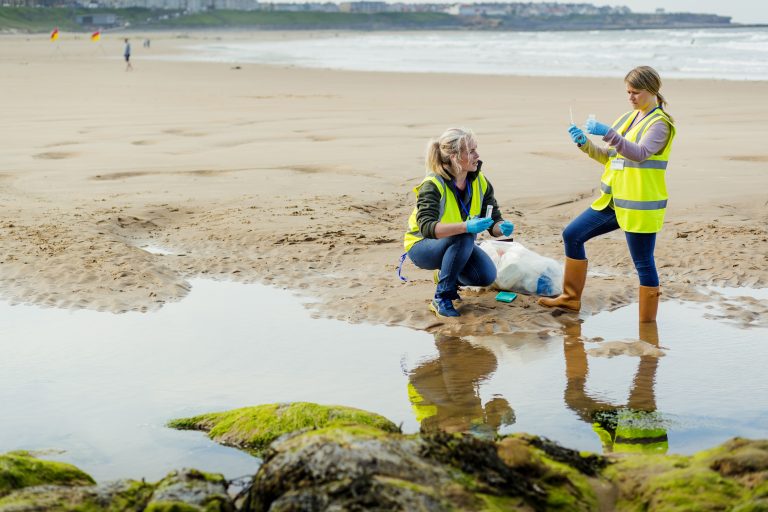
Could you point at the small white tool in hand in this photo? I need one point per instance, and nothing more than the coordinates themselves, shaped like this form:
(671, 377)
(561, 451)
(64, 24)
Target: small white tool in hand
(489, 211)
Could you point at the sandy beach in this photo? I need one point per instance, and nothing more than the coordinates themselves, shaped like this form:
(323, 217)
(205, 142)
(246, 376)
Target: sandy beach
(302, 179)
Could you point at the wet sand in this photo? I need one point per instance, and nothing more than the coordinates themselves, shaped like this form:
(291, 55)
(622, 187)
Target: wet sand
(301, 178)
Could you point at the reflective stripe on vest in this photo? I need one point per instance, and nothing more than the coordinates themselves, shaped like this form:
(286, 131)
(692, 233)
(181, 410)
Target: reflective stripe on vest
(640, 205)
(450, 211)
(637, 191)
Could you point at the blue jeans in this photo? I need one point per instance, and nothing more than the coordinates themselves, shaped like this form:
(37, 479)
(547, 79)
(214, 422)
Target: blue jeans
(460, 262)
(592, 223)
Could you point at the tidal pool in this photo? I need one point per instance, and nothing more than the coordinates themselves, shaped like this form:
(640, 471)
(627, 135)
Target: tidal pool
(97, 388)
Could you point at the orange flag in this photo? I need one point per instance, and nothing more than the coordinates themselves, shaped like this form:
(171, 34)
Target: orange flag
(96, 36)
(55, 34)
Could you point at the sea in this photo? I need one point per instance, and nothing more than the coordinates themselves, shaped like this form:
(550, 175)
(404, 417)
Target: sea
(714, 53)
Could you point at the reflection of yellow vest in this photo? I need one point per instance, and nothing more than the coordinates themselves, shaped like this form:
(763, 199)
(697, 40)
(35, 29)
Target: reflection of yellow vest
(638, 190)
(420, 409)
(450, 211)
(636, 432)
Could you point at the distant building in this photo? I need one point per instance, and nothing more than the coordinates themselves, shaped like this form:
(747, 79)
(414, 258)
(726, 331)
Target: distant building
(97, 20)
(364, 7)
(305, 7)
(478, 10)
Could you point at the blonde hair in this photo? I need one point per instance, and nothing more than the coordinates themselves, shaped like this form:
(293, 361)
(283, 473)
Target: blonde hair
(647, 79)
(443, 152)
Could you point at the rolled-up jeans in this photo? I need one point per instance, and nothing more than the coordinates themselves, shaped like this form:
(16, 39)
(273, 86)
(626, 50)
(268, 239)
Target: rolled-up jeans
(460, 261)
(592, 223)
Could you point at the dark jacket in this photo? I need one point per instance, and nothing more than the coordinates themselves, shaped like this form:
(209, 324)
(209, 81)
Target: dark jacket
(428, 204)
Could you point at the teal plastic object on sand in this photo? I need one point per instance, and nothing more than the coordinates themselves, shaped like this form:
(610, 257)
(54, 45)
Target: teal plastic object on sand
(506, 296)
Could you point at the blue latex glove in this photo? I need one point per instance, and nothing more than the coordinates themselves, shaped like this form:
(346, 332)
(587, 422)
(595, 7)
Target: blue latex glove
(506, 228)
(596, 128)
(479, 224)
(577, 136)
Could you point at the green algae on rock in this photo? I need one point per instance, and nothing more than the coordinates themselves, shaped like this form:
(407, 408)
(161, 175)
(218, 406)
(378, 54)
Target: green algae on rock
(187, 490)
(22, 469)
(732, 476)
(356, 468)
(254, 428)
(113, 496)
(191, 490)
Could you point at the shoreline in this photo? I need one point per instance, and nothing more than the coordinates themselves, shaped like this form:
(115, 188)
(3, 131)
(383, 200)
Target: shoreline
(229, 48)
(283, 28)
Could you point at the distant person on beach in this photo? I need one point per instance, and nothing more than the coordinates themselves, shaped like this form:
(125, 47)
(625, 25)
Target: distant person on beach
(634, 192)
(127, 55)
(452, 204)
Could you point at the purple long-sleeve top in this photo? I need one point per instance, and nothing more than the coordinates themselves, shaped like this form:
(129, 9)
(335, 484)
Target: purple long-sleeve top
(654, 140)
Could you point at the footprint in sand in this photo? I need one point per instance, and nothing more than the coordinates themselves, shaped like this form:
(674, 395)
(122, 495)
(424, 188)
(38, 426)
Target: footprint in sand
(117, 175)
(748, 158)
(62, 143)
(320, 138)
(184, 133)
(554, 155)
(55, 155)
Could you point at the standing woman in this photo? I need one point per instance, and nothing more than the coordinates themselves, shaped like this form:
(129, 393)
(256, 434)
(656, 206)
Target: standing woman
(634, 193)
(443, 226)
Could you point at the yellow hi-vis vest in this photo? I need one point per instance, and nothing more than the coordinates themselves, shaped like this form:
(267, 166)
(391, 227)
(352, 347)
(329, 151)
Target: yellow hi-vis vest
(421, 408)
(638, 189)
(450, 211)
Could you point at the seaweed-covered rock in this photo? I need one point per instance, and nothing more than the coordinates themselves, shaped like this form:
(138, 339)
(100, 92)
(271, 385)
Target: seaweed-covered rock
(123, 495)
(253, 428)
(672, 483)
(739, 458)
(352, 468)
(567, 478)
(187, 490)
(193, 490)
(363, 468)
(22, 469)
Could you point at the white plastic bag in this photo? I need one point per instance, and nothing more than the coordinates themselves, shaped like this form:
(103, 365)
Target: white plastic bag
(523, 271)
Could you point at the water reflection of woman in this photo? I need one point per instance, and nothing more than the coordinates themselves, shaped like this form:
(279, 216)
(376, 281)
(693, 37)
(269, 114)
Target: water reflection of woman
(631, 427)
(444, 391)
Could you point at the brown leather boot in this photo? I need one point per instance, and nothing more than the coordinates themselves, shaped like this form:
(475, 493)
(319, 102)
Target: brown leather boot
(573, 284)
(649, 303)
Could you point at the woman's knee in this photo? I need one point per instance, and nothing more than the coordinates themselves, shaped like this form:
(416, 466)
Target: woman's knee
(486, 275)
(572, 235)
(478, 275)
(464, 240)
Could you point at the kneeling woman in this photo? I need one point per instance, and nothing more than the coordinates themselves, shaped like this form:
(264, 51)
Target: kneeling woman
(443, 226)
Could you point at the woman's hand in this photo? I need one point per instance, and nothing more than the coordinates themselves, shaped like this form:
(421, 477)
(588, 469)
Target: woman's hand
(478, 224)
(597, 128)
(506, 228)
(577, 136)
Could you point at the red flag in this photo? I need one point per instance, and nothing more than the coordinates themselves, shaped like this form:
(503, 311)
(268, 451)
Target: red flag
(55, 34)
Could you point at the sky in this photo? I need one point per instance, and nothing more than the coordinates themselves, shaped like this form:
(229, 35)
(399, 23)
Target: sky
(742, 11)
